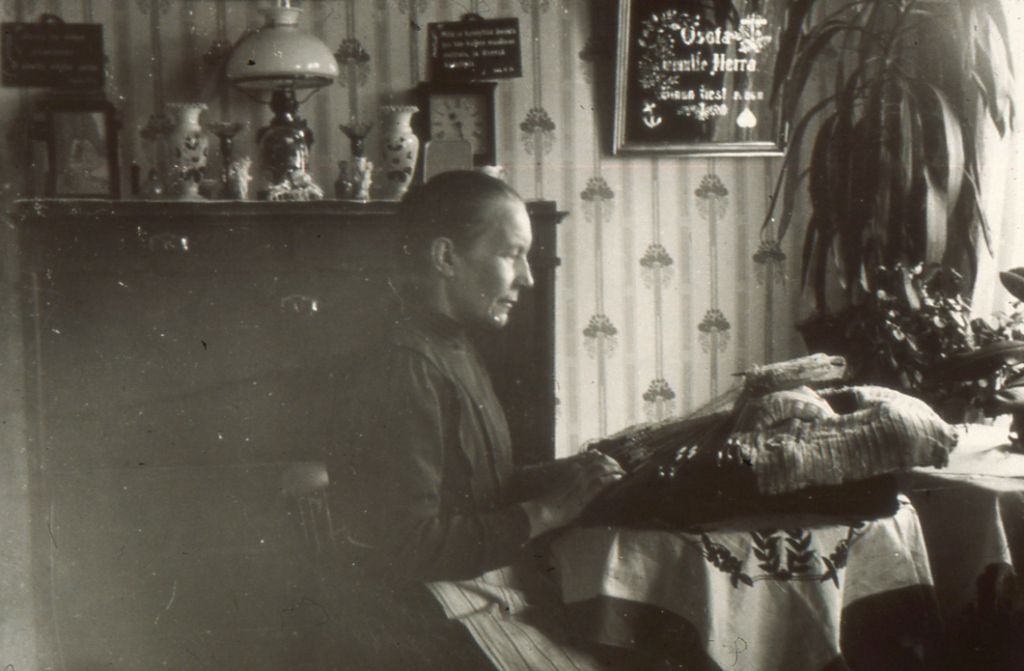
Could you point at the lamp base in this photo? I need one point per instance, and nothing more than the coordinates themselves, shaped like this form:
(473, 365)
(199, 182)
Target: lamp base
(298, 186)
(284, 151)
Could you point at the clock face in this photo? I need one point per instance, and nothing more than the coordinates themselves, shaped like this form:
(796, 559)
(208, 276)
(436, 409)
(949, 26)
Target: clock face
(460, 116)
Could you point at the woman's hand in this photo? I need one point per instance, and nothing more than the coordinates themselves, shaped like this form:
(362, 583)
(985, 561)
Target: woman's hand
(533, 481)
(574, 482)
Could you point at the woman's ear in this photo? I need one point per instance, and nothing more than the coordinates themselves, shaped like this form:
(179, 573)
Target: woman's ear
(442, 253)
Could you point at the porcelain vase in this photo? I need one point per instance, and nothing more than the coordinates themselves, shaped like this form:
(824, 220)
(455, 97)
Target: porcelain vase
(401, 147)
(190, 147)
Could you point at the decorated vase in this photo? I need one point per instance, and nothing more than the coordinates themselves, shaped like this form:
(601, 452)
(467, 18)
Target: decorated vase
(401, 147)
(190, 147)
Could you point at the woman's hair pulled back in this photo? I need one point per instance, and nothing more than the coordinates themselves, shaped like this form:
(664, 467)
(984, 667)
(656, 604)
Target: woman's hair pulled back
(453, 205)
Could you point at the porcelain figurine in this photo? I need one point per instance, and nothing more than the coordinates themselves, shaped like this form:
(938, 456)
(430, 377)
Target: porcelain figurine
(354, 179)
(238, 178)
(362, 178)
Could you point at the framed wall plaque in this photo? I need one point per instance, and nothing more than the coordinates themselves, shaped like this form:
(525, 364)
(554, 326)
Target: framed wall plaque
(80, 139)
(694, 77)
(52, 54)
(475, 48)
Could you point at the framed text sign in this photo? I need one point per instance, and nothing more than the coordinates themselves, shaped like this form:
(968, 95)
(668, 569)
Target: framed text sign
(694, 77)
(475, 48)
(52, 54)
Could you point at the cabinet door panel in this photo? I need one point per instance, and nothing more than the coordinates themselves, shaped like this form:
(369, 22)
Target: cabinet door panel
(200, 369)
(154, 567)
(280, 416)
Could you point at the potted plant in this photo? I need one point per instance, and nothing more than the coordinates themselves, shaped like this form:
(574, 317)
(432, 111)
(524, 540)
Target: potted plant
(922, 340)
(893, 169)
(990, 374)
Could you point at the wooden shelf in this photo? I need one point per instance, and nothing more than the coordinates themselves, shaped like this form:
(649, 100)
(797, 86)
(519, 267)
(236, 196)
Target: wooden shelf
(219, 212)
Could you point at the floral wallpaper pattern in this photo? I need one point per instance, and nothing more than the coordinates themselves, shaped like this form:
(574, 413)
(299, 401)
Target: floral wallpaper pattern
(656, 271)
(666, 288)
(712, 204)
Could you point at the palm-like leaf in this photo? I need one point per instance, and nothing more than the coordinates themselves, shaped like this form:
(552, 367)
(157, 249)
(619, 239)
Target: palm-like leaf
(790, 177)
(892, 179)
(789, 38)
(944, 175)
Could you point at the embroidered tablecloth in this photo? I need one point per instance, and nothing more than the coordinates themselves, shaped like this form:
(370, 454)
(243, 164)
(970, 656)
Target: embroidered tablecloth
(784, 594)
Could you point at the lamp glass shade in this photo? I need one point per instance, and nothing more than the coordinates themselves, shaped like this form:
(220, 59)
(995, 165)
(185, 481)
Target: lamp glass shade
(280, 55)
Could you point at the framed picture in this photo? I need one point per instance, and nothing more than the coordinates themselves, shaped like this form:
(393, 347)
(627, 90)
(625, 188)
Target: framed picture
(80, 138)
(459, 111)
(694, 77)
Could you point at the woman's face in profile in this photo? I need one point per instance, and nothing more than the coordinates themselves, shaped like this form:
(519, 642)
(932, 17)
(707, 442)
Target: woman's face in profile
(490, 272)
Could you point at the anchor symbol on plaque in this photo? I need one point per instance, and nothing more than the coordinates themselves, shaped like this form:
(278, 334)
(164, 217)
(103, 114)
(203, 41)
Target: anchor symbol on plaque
(649, 119)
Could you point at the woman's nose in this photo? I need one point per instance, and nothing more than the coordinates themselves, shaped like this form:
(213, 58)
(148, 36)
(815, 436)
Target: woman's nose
(524, 278)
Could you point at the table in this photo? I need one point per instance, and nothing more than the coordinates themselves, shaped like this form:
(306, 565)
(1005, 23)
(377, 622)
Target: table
(784, 593)
(971, 512)
(797, 593)
(759, 594)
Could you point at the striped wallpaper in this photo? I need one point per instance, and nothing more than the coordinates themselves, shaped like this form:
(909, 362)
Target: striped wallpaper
(667, 286)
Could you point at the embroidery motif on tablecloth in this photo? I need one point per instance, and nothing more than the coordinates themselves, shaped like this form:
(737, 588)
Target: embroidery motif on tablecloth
(783, 555)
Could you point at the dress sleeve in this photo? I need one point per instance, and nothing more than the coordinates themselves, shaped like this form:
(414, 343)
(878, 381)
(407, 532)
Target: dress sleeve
(411, 504)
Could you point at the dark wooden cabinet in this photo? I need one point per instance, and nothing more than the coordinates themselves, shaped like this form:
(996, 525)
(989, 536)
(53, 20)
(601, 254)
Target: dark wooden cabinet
(179, 358)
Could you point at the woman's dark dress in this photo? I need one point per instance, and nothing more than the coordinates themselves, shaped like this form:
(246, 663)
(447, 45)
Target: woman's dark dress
(424, 470)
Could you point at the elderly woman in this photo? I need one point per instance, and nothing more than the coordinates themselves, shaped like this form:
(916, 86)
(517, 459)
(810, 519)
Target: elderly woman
(428, 474)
